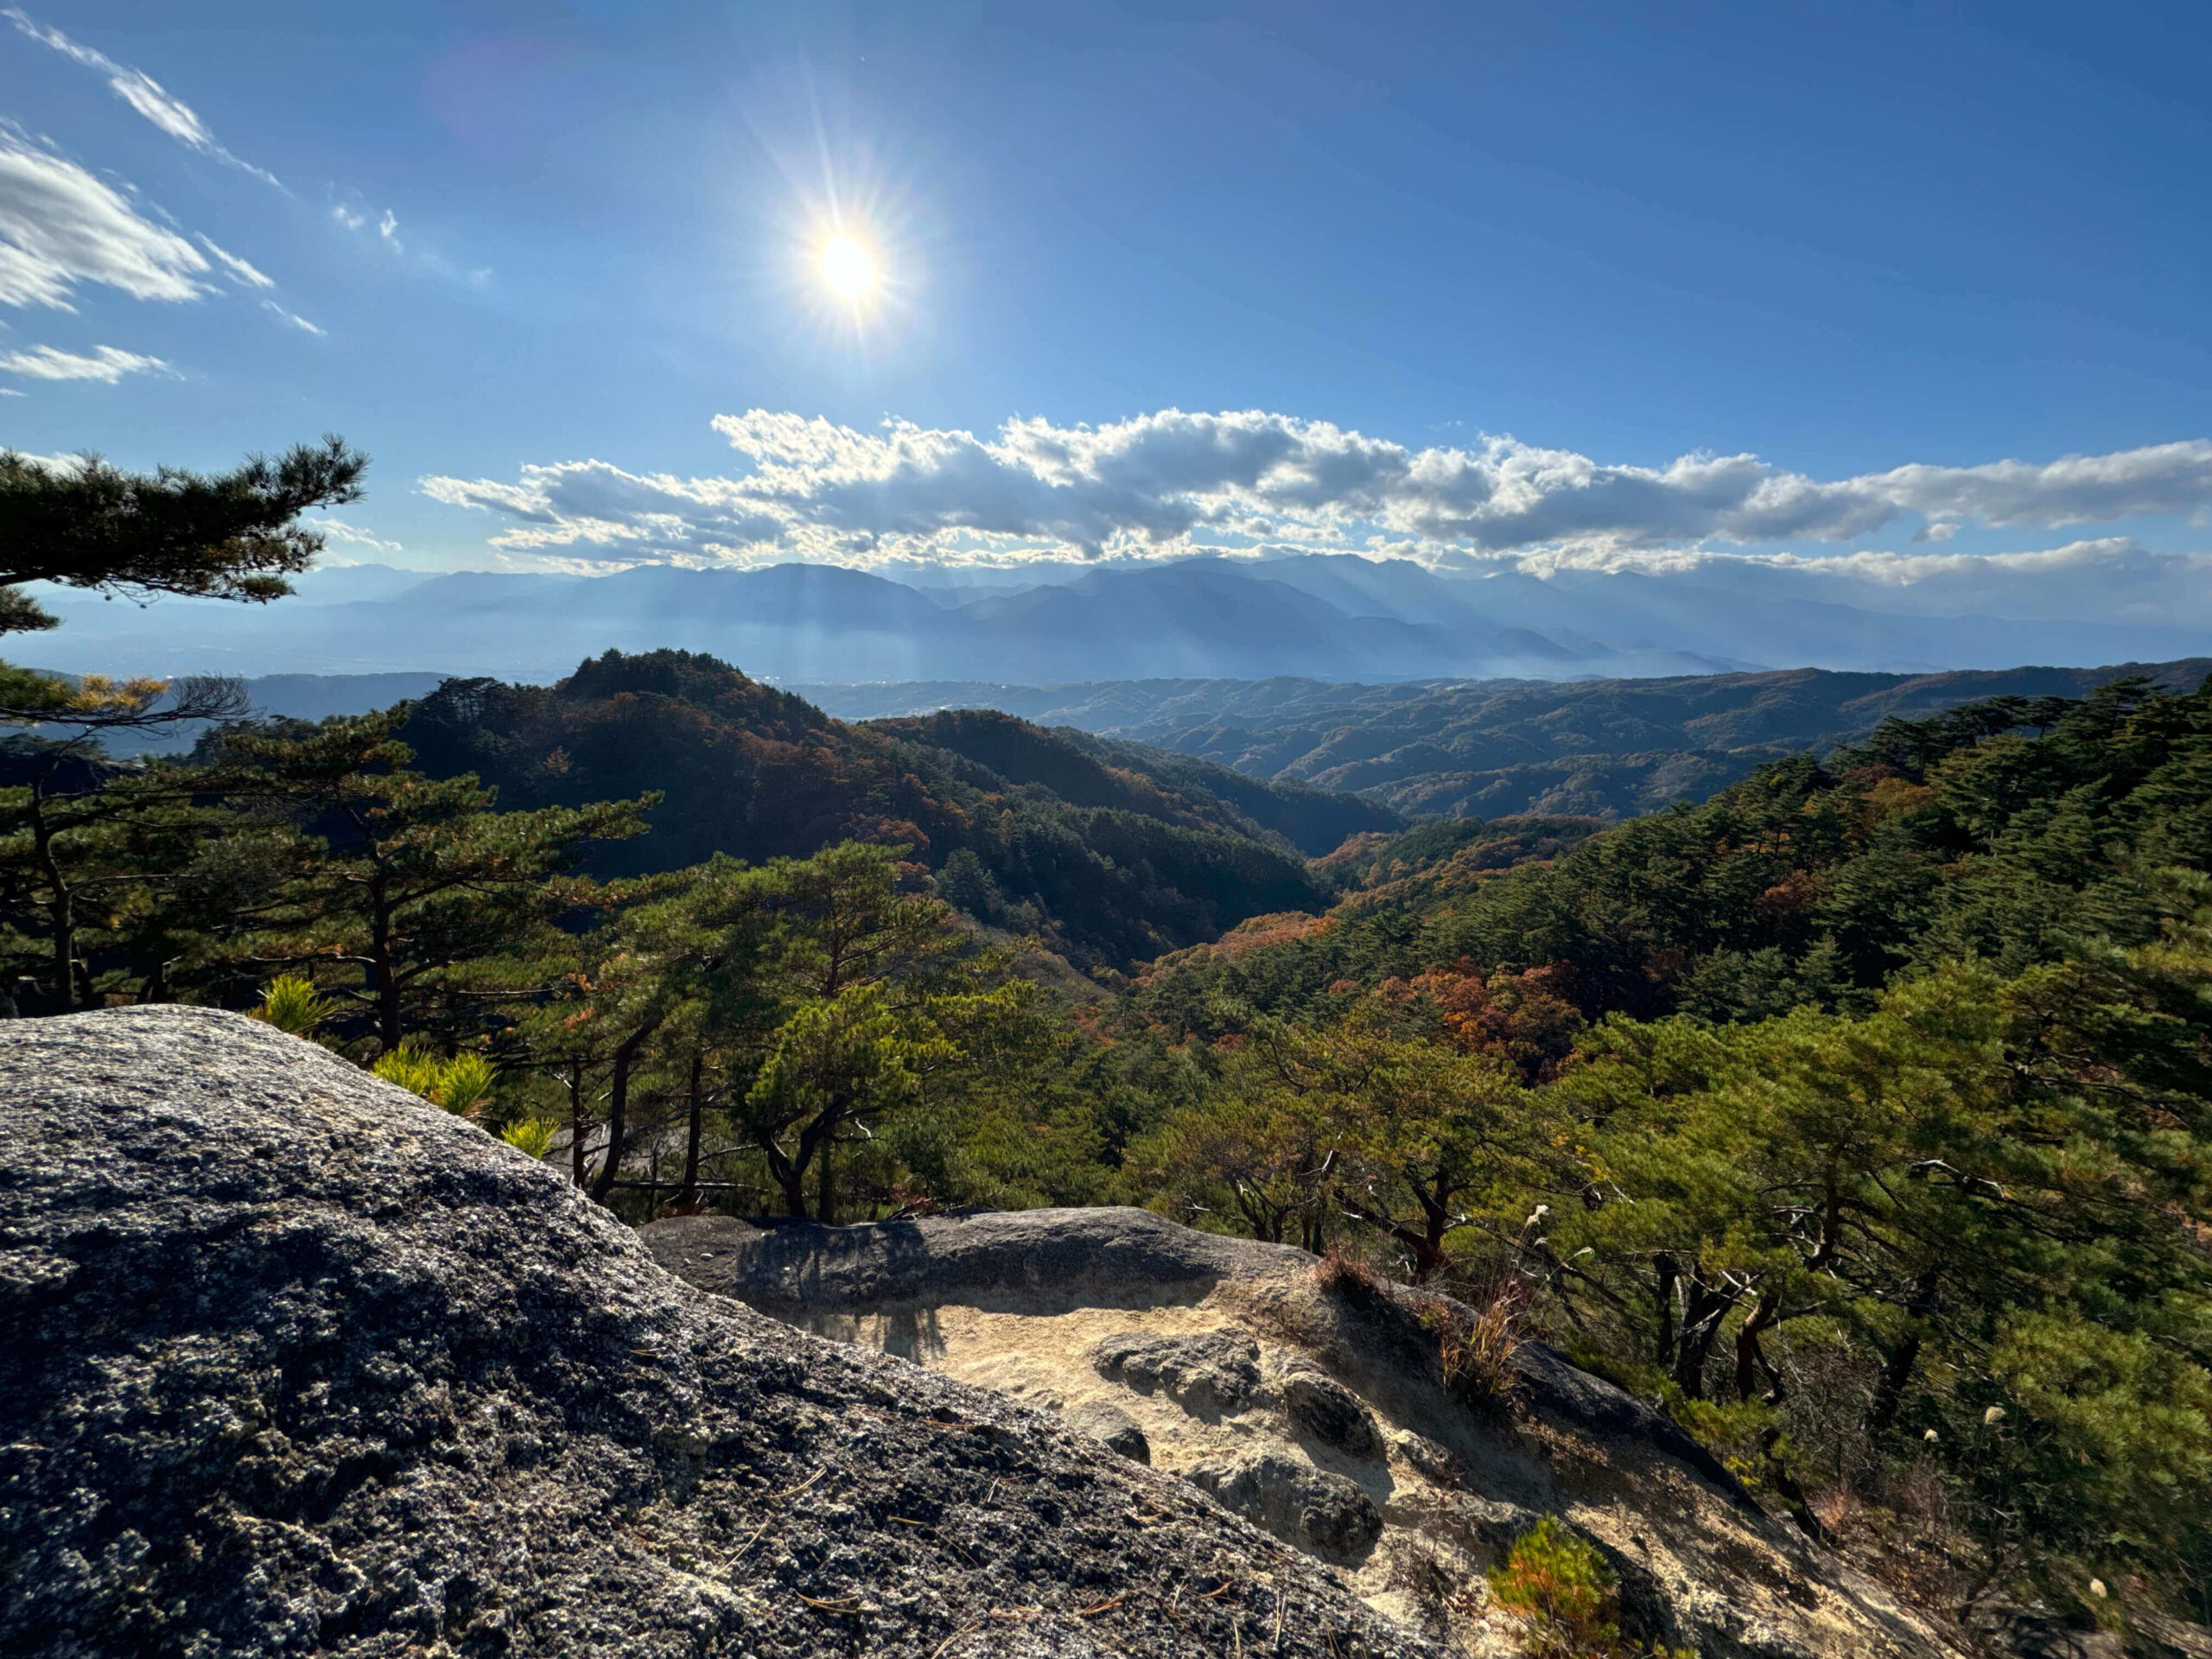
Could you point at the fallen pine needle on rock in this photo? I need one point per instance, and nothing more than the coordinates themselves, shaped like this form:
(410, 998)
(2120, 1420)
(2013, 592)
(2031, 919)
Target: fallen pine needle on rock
(745, 1549)
(802, 1486)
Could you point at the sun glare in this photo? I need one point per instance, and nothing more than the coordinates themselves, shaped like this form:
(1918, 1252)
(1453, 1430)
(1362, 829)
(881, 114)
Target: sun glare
(849, 268)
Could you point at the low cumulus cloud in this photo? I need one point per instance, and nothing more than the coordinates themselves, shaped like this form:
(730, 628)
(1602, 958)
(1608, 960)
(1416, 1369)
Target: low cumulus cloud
(1171, 482)
(590, 507)
(140, 91)
(104, 363)
(61, 227)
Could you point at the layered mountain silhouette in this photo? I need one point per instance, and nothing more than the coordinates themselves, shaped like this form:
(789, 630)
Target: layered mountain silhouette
(1329, 617)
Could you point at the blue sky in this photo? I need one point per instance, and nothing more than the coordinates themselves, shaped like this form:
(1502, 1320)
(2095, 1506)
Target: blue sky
(495, 245)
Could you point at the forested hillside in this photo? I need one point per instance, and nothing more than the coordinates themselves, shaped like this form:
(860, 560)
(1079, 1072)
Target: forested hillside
(1863, 1113)
(1110, 852)
(1996, 832)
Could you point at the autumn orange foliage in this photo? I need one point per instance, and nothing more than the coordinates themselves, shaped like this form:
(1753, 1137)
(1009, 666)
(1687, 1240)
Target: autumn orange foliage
(1528, 1019)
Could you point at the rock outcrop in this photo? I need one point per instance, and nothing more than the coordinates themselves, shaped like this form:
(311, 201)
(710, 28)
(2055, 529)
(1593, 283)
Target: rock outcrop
(295, 1363)
(1321, 1416)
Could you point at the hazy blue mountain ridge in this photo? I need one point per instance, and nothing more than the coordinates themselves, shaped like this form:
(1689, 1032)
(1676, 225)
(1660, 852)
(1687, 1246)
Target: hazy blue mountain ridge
(1332, 617)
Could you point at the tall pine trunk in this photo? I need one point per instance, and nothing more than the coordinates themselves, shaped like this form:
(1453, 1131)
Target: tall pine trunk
(1897, 1367)
(618, 1112)
(380, 963)
(62, 909)
(579, 1125)
(696, 1107)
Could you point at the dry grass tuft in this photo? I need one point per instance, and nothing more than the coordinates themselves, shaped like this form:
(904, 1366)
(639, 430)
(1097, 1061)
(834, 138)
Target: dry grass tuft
(1349, 1280)
(1475, 1346)
(1474, 1343)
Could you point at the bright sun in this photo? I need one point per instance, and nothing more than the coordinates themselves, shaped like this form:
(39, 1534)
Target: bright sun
(847, 268)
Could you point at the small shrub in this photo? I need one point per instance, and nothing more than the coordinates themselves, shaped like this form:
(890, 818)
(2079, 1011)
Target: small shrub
(1557, 1587)
(459, 1084)
(1474, 1349)
(464, 1083)
(532, 1135)
(1566, 1599)
(413, 1065)
(291, 1004)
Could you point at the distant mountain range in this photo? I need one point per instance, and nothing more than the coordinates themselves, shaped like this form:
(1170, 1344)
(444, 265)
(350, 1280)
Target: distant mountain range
(1322, 617)
(1608, 748)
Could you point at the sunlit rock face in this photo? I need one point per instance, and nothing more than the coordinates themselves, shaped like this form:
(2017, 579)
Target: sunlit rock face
(296, 1364)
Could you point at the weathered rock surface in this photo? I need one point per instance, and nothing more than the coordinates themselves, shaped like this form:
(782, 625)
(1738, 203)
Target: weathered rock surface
(1321, 1408)
(1325, 1513)
(1249, 1380)
(1063, 1259)
(1216, 1372)
(1104, 1420)
(294, 1363)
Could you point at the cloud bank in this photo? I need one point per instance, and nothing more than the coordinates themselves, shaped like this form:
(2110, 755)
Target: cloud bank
(1173, 483)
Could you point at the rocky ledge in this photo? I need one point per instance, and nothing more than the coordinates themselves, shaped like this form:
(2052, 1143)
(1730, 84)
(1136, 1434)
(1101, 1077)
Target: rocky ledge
(1319, 1412)
(295, 1363)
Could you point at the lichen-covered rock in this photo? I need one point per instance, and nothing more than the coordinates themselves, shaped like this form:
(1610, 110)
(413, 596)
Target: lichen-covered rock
(294, 1363)
(1434, 1462)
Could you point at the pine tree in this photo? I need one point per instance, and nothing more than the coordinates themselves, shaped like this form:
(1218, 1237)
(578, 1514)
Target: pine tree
(232, 535)
(413, 899)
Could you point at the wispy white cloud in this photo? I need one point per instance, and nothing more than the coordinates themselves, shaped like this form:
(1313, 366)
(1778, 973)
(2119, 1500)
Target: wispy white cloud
(60, 226)
(351, 212)
(354, 536)
(1171, 482)
(241, 272)
(592, 507)
(292, 317)
(140, 91)
(105, 363)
